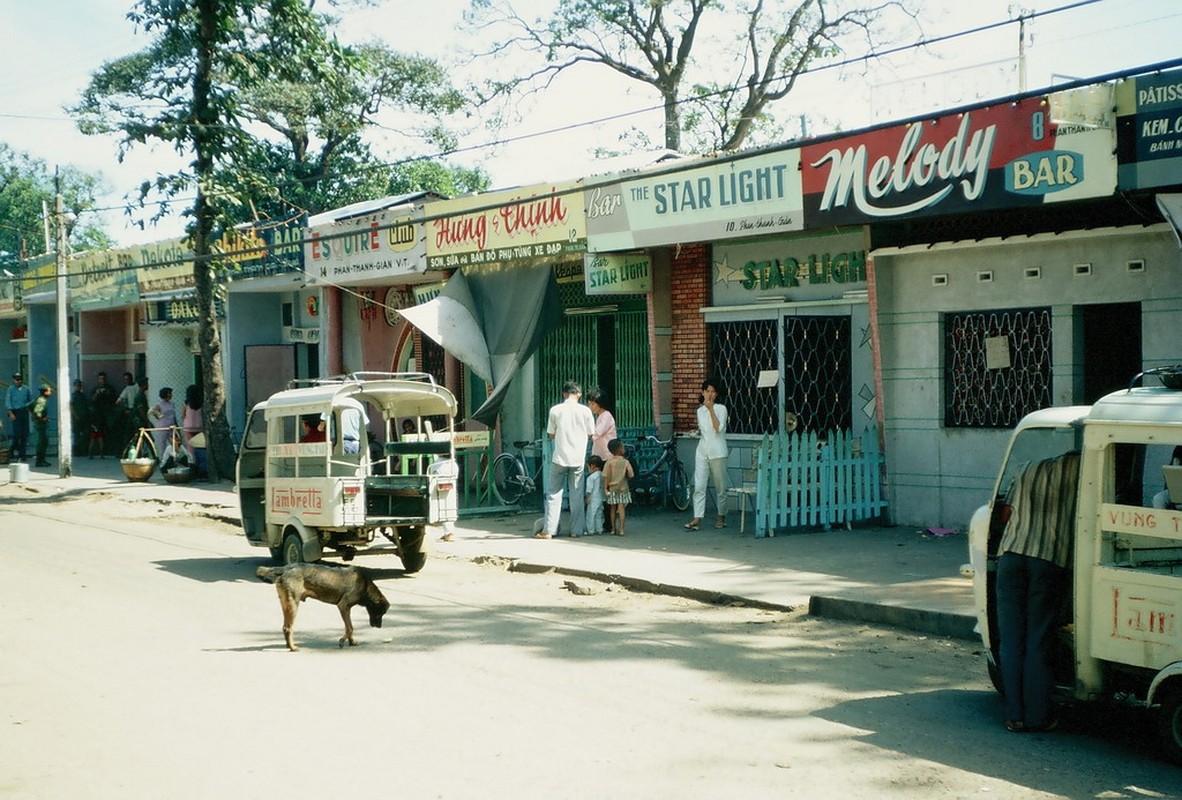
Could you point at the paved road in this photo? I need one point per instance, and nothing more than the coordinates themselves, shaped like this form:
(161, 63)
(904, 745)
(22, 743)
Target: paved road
(142, 659)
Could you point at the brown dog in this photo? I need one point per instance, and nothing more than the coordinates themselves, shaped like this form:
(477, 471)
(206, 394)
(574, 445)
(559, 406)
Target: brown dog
(343, 587)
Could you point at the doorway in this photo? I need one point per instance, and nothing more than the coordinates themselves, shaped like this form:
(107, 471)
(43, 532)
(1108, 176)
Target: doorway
(1109, 348)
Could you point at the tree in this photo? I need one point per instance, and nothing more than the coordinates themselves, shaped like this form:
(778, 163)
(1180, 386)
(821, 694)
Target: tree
(186, 89)
(680, 48)
(321, 159)
(216, 73)
(27, 187)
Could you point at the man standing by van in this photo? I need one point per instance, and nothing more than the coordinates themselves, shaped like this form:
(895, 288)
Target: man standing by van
(1032, 571)
(572, 426)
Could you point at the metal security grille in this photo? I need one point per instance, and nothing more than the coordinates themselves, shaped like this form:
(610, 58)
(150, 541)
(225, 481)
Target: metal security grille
(566, 354)
(817, 376)
(606, 350)
(738, 352)
(634, 378)
(1015, 379)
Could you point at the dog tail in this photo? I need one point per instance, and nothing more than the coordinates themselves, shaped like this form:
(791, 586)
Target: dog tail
(269, 574)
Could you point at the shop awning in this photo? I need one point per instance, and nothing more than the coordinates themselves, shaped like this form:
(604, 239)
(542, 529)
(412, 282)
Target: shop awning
(492, 320)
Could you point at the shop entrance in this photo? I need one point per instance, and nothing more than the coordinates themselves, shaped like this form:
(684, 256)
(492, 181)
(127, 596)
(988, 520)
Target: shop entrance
(1108, 347)
(605, 349)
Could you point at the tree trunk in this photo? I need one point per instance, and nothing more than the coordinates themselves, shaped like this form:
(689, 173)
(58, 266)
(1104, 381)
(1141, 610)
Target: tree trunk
(219, 445)
(672, 123)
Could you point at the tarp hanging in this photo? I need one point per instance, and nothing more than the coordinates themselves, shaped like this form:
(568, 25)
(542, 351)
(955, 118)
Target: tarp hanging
(1171, 208)
(492, 320)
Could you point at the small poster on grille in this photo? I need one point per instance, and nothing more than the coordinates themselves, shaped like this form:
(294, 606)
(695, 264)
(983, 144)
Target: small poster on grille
(997, 352)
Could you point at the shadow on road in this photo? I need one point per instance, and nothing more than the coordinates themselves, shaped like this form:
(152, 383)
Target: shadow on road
(1110, 755)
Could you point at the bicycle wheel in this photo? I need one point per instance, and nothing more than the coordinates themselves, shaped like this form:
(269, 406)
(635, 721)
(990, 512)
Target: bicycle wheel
(679, 488)
(508, 479)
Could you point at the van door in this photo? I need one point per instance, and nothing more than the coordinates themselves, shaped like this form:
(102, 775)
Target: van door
(252, 479)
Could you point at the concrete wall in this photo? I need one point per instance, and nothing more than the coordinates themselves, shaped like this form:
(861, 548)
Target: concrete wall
(938, 475)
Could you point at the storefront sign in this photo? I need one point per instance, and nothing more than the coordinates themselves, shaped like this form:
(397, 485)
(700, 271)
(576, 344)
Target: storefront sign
(538, 224)
(1007, 155)
(259, 251)
(385, 244)
(104, 279)
(164, 266)
(11, 304)
(294, 335)
(1149, 131)
(794, 269)
(617, 273)
(427, 291)
(745, 197)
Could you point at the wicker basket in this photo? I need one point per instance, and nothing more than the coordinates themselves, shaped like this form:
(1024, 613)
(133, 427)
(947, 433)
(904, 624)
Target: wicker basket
(138, 469)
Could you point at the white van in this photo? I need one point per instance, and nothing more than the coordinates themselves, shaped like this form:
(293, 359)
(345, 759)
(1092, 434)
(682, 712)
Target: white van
(327, 466)
(1119, 631)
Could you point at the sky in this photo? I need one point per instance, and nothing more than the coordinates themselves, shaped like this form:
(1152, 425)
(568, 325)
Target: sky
(48, 50)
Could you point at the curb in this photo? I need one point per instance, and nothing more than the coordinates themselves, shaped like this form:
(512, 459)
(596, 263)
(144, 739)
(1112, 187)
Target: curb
(939, 623)
(707, 596)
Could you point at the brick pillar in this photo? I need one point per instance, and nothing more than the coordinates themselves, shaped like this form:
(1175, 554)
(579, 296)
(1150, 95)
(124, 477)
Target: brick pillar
(692, 277)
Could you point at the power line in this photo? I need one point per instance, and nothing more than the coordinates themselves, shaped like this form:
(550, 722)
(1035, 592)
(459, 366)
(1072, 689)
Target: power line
(502, 141)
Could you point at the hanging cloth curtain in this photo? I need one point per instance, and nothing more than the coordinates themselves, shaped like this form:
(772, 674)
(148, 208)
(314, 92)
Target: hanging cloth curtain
(492, 319)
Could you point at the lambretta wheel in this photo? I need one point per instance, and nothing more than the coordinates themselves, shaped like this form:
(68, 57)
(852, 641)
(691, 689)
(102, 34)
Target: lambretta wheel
(1169, 724)
(410, 545)
(292, 551)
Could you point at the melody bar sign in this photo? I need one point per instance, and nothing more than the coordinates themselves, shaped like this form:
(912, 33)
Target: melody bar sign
(963, 162)
(1006, 155)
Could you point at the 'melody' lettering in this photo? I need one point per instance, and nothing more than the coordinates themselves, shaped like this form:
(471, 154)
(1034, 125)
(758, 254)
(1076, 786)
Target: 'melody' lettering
(963, 161)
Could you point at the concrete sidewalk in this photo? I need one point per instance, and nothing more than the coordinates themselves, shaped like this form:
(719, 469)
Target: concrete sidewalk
(894, 576)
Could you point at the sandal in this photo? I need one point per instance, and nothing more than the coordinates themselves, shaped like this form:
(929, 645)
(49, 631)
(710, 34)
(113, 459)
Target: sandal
(720, 522)
(542, 536)
(693, 525)
(1015, 726)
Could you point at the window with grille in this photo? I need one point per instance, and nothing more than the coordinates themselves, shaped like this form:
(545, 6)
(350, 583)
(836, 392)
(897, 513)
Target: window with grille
(997, 366)
(817, 371)
(738, 352)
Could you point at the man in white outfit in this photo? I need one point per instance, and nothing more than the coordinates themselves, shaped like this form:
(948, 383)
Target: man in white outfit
(571, 425)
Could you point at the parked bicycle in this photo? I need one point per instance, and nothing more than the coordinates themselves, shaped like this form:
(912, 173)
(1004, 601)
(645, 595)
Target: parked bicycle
(665, 481)
(512, 476)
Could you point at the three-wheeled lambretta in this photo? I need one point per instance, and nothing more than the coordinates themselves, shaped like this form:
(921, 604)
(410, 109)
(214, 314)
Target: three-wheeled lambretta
(1119, 630)
(337, 484)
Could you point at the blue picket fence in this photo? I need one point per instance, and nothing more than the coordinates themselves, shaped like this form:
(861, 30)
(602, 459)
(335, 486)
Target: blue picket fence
(810, 479)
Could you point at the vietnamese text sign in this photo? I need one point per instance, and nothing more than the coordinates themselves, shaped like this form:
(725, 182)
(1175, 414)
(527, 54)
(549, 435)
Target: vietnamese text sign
(1149, 131)
(742, 197)
(363, 249)
(520, 226)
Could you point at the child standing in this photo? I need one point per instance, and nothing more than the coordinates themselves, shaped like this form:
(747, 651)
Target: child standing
(594, 495)
(616, 473)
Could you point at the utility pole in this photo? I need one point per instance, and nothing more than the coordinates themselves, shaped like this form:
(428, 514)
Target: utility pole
(65, 435)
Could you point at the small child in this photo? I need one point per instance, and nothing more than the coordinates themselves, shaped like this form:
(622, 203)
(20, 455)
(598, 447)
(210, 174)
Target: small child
(594, 496)
(616, 473)
(97, 440)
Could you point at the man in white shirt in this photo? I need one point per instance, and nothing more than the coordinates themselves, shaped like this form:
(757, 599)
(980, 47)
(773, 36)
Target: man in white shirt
(572, 426)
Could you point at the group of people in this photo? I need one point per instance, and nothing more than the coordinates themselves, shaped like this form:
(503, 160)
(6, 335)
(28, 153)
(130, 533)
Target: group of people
(105, 422)
(598, 486)
(27, 411)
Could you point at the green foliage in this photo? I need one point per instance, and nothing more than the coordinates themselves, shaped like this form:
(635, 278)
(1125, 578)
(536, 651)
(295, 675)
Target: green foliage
(27, 185)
